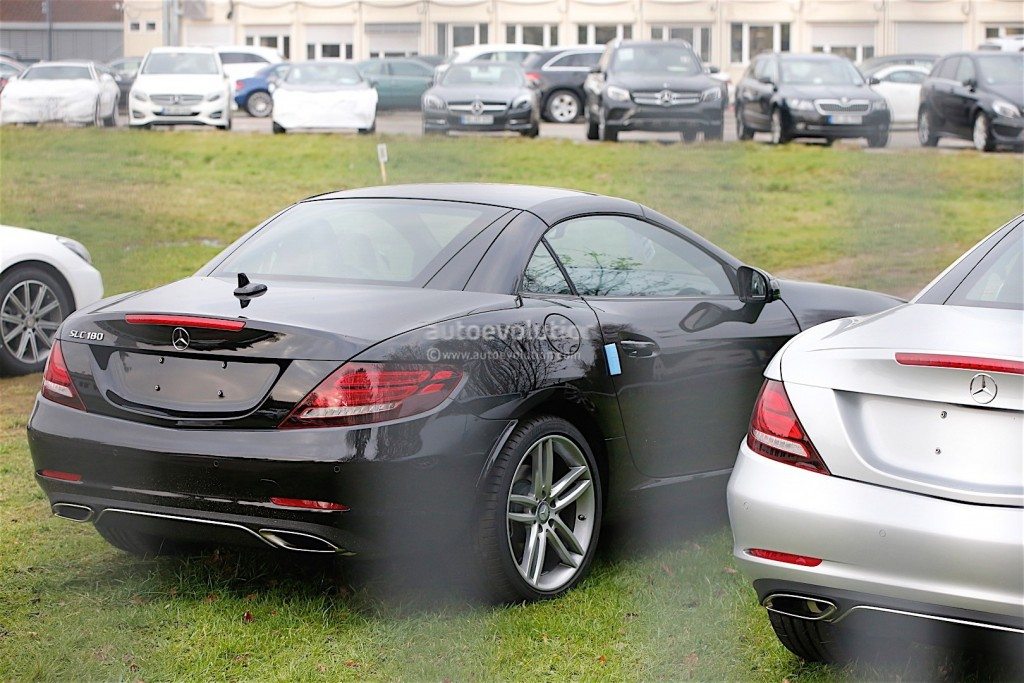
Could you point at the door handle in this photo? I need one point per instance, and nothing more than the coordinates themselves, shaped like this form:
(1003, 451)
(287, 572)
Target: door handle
(638, 349)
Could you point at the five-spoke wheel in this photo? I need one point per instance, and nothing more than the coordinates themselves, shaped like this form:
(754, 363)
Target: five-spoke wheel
(33, 304)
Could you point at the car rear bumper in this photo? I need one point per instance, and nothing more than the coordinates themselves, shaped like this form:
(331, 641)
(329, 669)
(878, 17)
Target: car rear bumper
(893, 546)
(407, 485)
(441, 122)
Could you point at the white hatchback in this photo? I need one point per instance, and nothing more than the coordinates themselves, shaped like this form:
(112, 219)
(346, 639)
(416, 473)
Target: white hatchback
(880, 488)
(43, 278)
(180, 86)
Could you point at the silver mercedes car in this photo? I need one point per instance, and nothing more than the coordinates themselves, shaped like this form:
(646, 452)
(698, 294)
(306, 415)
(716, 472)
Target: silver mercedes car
(879, 490)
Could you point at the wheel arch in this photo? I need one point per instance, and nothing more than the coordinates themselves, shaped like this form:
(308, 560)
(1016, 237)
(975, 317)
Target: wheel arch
(50, 269)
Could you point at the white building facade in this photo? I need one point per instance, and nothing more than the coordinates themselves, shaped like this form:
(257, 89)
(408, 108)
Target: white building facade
(725, 33)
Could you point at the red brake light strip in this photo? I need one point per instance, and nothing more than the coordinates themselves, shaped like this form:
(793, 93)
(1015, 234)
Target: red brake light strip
(937, 360)
(196, 322)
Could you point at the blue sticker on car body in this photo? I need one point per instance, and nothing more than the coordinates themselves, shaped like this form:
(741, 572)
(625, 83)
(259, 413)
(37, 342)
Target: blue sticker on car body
(611, 352)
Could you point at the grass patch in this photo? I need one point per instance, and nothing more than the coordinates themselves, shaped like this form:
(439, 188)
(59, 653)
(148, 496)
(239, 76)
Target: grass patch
(154, 207)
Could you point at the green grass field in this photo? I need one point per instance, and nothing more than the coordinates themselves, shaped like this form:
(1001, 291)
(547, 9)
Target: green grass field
(154, 207)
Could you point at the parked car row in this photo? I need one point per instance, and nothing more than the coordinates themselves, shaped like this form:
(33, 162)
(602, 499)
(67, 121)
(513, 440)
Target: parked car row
(863, 506)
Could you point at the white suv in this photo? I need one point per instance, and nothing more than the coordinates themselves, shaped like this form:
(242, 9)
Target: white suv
(180, 86)
(244, 61)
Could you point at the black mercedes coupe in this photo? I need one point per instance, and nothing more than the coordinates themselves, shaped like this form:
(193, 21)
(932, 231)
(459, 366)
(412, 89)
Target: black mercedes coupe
(384, 369)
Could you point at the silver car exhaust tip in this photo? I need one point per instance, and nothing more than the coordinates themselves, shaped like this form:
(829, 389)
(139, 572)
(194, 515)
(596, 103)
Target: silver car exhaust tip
(76, 513)
(800, 606)
(298, 541)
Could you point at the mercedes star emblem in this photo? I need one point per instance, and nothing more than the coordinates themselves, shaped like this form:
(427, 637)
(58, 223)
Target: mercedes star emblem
(665, 97)
(179, 338)
(477, 107)
(983, 388)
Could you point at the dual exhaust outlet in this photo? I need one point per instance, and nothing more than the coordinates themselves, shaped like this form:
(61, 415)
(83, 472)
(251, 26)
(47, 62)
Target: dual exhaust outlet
(279, 538)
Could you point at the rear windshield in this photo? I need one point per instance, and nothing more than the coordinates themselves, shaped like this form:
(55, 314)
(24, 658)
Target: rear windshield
(379, 241)
(57, 73)
(323, 74)
(480, 73)
(165, 63)
(998, 279)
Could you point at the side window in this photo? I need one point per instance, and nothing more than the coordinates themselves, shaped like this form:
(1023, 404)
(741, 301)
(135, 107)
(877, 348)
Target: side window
(373, 68)
(998, 279)
(758, 68)
(949, 68)
(232, 58)
(623, 256)
(563, 61)
(543, 275)
(486, 57)
(965, 71)
(905, 76)
(254, 59)
(409, 69)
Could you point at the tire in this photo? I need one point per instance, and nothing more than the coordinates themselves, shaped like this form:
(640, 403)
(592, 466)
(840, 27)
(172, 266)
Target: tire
(563, 106)
(145, 545)
(97, 118)
(608, 133)
(688, 135)
(278, 128)
(593, 130)
(926, 133)
(227, 126)
(812, 641)
(715, 133)
(18, 285)
(567, 518)
(532, 132)
(879, 139)
(111, 121)
(259, 104)
(780, 132)
(743, 131)
(371, 130)
(981, 135)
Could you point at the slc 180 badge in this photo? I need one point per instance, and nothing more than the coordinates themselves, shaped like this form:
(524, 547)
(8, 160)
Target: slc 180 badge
(88, 336)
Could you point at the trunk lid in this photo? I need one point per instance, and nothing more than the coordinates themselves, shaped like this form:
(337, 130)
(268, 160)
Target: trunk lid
(914, 427)
(290, 338)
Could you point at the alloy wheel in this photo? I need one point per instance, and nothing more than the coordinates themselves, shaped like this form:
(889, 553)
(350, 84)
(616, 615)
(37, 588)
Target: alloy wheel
(776, 127)
(563, 107)
(550, 513)
(980, 135)
(29, 317)
(259, 104)
(923, 132)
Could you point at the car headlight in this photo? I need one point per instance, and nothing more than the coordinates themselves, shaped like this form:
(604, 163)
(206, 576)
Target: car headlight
(77, 247)
(711, 94)
(214, 96)
(879, 105)
(433, 102)
(797, 104)
(522, 102)
(614, 92)
(140, 96)
(1004, 108)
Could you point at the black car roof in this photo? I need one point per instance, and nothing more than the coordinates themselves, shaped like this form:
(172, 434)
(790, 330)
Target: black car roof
(550, 204)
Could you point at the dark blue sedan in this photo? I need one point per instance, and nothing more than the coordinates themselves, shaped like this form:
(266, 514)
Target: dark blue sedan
(253, 94)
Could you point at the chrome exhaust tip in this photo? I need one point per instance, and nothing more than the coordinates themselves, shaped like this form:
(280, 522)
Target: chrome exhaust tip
(300, 542)
(800, 606)
(72, 511)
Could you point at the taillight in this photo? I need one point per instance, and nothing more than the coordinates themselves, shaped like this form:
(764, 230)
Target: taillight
(61, 476)
(304, 504)
(239, 85)
(939, 360)
(361, 393)
(57, 384)
(788, 558)
(533, 76)
(775, 431)
(194, 321)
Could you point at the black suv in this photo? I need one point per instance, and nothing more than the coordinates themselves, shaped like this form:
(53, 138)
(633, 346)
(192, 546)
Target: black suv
(559, 75)
(809, 96)
(653, 85)
(974, 95)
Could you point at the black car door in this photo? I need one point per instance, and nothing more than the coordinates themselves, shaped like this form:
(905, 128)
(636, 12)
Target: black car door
(962, 97)
(757, 93)
(941, 92)
(685, 355)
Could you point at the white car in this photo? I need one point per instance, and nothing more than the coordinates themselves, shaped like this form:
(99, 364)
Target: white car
(72, 92)
(491, 52)
(900, 85)
(325, 94)
(180, 86)
(43, 278)
(245, 61)
(880, 487)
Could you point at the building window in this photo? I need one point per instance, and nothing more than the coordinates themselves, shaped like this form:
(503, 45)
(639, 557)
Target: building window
(750, 40)
(134, 26)
(599, 34)
(451, 36)
(328, 50)
(150, 25)
(277, 41)
(1004, 31)
(856, 42)
(545, 35)
(699, 37)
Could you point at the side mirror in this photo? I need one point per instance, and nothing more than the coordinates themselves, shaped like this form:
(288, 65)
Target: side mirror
(595, 69)
(756, 287)
(970, 83)
(873, 81)
(767, 80)
(712, 69)
(107, 77)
